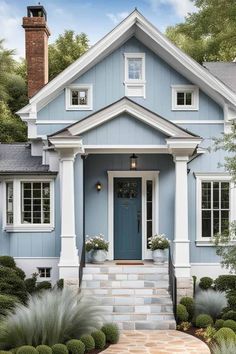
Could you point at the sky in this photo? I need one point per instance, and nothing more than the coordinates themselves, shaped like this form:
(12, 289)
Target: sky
(94, 17)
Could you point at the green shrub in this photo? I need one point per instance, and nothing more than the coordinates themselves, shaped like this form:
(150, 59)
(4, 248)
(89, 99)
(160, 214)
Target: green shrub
(75, 346)
(11, 284)
(203, 321)
(230, 324)
(7, 302)
(59, 349)
(30, 284)
(43, 285)
(188, 302)
(27, 349)
(20, 273)
(231, 301)
(88, 342)
(5, 352)
(230, 315)
(223, 347)
(219, 324)
(44, 349)
(7, 261)
(99, 339)
(182, 313)
(225, 282)
(205, 283)
(111, 332)
(224, 334)
(60, 284)
(210, 302)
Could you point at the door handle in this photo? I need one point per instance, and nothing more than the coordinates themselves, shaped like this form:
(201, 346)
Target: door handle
(138, 219)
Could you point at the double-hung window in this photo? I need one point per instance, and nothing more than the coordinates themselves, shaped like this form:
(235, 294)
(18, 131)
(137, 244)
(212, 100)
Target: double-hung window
(215, 206)
(135, 74)
(29, 205)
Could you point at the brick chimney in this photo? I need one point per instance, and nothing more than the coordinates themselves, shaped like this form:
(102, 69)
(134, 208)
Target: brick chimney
(36, 48)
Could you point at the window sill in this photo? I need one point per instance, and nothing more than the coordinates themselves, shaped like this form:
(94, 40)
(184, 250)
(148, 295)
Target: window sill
(204, 243)
(79, 108)
(184, 109)
(28, 228)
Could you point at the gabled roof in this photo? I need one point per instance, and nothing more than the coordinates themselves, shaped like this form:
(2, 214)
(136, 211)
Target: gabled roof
(125, 105)
(224, 71)
(134, 25)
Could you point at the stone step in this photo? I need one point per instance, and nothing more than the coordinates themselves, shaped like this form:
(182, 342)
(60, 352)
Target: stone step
(121, 291)
(125, 284)
(134, 300)
(126, 277)
(147, 325)
(146, 309)
(120, 317)
(92, 269)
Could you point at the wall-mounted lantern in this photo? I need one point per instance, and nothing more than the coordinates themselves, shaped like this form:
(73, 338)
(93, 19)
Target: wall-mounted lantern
(133, 162)
(98, 186)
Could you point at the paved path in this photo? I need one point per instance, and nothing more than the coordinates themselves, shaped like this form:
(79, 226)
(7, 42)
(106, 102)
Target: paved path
(157, 342)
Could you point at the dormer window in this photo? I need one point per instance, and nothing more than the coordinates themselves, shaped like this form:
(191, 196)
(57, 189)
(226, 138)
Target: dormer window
(135, 74)
(79, 97)
(185, 98)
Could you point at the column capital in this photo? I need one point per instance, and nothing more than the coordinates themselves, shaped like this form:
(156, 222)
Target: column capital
(178, 158)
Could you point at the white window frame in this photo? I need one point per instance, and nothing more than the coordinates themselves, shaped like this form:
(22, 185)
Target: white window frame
(44, 278)
(88, 107)
(17, 225)
(209, 177)
(135, 87)
(185, 88)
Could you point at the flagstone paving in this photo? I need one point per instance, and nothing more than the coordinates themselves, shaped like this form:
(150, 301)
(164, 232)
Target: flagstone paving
(157, 342)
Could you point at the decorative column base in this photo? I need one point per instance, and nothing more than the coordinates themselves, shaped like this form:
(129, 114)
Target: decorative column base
(184, 287)
(69, 259)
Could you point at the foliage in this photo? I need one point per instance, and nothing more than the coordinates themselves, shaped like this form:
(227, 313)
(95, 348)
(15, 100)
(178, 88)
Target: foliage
(60, 284)
(205, 283)
(43, 285)
(184, 326)
(7, 261)
(67, 48)
(231, 300)
(7, 302)
(202, 35)
(210, 302)
(225, 282)
(11, 284)
(63, 313)
(11, 127)
(20, 273)
(30, 283)
(203, 321)
(158, 242)
(59, 349)
(207, 333)
(111, 332)
(219, 323)
(224, 347)
(5, 352)
(99, 339)
(75, 346)
(224, 334)
(44, 349)
(188, 302)
(88, 342)
(230, 315)
(182, 313)
(96, 243)
(27, 349)
(230, 324)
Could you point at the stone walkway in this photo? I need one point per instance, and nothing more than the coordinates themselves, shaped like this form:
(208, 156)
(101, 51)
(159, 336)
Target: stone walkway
(157, 342)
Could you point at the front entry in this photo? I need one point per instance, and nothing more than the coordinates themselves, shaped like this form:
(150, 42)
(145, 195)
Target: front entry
(127, 218)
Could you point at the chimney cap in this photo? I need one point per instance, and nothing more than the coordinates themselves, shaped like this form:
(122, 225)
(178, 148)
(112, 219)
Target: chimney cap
(36, 11)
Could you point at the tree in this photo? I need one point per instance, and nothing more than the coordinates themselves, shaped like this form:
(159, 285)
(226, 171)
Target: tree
(11, 127)
(209, 33)
(67, 48)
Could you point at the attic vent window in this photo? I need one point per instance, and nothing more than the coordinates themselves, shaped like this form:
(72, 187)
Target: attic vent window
(185, 98)
(79, 97)
(135, 74)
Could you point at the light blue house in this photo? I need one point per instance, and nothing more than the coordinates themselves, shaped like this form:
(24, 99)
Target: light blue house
(118, 145)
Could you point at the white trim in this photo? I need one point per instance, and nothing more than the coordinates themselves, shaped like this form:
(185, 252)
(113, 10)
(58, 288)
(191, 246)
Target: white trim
(130, 107)
(17, 225)
(211, 176)
(70, 107)
(134, 88)
(57, 121)
(177, 121)
(144, 175)
(185, 88)
(124, 149)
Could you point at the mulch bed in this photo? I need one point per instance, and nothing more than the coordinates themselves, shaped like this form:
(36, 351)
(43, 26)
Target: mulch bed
(96, 351)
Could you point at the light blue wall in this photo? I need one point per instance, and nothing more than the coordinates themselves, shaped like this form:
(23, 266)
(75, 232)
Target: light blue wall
(107, 78)
(123, 130)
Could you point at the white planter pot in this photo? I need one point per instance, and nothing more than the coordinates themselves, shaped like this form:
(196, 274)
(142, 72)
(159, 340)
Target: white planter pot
(159, 256)
(98, 256)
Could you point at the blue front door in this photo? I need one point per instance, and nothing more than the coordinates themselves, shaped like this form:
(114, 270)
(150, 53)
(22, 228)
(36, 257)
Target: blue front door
(127, 218)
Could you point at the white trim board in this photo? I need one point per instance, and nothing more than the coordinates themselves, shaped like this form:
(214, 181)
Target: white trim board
(177, 121)
(144, 175)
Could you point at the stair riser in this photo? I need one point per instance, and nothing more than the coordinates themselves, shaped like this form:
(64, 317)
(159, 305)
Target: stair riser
(130, 300)
(165, 325)
(143, 292)
(125, 284)
(119, 277)
(146, 309)
(125, 270)
(114, 317)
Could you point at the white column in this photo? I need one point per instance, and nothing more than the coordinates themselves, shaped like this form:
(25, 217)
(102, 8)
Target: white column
(181, 240)
(69, 260)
